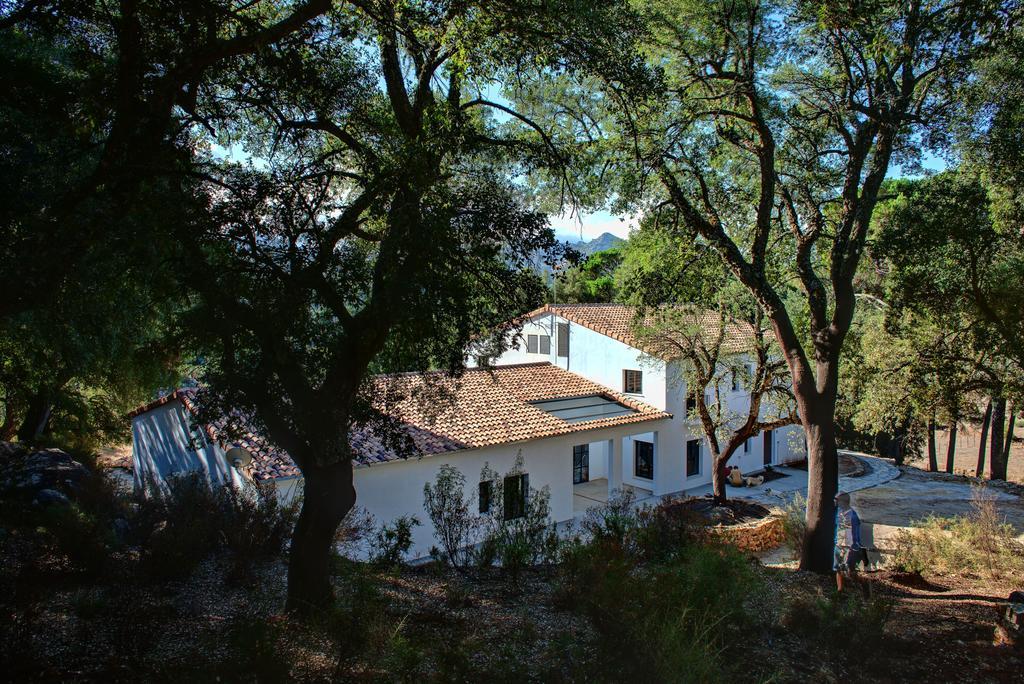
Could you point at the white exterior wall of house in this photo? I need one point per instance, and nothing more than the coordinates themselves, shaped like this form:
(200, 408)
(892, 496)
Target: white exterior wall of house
(161, 447)
(390, 490)
(602, 359)
(393, 489)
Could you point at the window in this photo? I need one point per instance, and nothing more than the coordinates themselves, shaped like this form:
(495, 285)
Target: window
(581, 463)
(746, 445)
(531, 344)
(693, 457)
(486, 493)
(691, 403)
(643, 460)
(632, 381)
(545, 344)
(563, 339)
(516, 488)
(198, 438)
(483, 361)
(735, 381)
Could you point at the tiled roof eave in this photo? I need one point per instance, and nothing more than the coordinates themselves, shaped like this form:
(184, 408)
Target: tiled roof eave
(569, 429)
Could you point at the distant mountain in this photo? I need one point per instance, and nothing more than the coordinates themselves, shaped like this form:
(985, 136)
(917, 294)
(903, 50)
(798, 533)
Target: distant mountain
(585, 247)
(599, 244)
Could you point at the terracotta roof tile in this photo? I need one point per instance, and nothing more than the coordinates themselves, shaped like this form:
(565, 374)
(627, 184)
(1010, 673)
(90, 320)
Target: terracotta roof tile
(483, 407)
(619, 322)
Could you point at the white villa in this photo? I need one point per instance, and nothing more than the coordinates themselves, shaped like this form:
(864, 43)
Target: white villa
(576, 399)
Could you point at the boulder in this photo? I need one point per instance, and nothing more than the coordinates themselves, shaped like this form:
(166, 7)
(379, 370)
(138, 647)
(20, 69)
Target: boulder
(51, 497)
(27, 473)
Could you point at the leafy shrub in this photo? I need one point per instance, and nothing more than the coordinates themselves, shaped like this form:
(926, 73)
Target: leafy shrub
(844, 625)
(358, 619)
(794, 523)
(663, 621)
(85, 538)
(978, 542)
(616, 520)
(393, 542)
(357, 528)
(449, 510)
(184, 524)
(518, 543)
(662, 599)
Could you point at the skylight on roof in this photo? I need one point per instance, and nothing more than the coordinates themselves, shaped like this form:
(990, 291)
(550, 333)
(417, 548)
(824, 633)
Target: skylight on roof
(582, 409)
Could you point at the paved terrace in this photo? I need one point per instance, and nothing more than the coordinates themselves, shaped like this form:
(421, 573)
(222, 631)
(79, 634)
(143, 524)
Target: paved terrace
(777, 492)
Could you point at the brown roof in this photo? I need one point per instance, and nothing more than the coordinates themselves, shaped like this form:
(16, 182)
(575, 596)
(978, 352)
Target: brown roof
(619, 322)
(484, 407)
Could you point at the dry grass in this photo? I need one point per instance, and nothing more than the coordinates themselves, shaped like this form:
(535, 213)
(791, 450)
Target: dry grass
(980, 542)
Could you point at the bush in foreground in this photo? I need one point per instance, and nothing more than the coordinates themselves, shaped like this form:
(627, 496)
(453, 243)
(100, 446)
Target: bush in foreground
(663, 603)
(979, 542)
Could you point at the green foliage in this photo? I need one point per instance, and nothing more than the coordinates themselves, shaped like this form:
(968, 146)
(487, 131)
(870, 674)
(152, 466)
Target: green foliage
(794, 522)
(393, 541)
(979, 542)
(83, 536)
(663, 599)
(591, 281)
(181, 526)
(844, 625)
(448, 509)
(522, 541)
(665, 621)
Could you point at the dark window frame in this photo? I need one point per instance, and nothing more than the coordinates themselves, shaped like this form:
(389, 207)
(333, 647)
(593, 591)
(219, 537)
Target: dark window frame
(643, 451)
(485, 494)
(580, 463)
(515, 491)
(632, 381)
(693, 452)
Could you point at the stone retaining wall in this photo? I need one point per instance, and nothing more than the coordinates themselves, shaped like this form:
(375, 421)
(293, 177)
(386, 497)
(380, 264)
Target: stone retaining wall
(761, 536)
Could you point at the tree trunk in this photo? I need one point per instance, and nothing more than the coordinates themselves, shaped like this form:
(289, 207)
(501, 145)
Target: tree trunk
(933, 461)
(37, 417)
(1001, 461)
(997, 469)
(822, 486)
(327, 496)
(951, 447)
(980, 471)
(718, 479)
(1009, 438)
(12, 419)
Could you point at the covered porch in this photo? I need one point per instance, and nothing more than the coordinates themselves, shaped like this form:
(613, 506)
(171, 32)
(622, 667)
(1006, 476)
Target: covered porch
(630, 463)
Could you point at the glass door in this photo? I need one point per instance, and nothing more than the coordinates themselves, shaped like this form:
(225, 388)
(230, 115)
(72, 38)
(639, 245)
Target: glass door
(581, 463)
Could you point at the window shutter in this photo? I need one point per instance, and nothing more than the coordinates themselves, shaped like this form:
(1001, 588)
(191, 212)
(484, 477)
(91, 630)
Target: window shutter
(545, 344)
(531, 344)
(563, 339)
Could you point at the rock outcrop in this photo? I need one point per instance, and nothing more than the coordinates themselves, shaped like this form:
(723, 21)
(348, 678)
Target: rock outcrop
(43, 476)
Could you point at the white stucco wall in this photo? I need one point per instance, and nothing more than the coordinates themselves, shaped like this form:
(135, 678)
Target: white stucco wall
(602, 359)
(161, 448)
(388, 490)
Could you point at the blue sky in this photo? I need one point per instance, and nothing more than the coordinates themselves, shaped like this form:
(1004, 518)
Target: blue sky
(587, 226)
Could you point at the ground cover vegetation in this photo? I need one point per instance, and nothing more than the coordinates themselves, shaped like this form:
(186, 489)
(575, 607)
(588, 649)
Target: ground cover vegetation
(282, 199)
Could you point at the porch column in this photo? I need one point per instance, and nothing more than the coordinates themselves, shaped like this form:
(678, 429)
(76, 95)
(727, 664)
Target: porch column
(614, 466)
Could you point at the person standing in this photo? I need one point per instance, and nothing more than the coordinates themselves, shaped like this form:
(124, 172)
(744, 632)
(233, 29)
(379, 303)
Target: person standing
(847, 551)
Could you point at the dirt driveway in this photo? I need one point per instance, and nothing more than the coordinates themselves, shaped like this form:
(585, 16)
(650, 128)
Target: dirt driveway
(916, 494)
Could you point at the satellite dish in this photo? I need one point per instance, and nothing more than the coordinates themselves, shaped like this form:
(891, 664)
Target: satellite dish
(238, 457)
